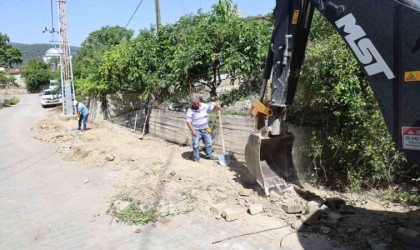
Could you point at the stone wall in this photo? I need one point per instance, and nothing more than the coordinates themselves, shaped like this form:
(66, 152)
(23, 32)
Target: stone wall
(116, 105)
(120, 104)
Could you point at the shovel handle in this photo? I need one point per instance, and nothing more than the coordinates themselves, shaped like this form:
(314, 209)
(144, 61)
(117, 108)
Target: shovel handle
(221, 131)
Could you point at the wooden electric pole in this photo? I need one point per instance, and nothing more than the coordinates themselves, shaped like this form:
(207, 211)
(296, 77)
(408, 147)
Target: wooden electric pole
(157, 15)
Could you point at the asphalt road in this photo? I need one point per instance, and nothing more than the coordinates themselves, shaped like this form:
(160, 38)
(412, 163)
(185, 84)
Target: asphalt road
(45, 202)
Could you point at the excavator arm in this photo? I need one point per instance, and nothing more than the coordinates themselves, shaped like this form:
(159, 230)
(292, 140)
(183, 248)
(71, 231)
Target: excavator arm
(384, 36)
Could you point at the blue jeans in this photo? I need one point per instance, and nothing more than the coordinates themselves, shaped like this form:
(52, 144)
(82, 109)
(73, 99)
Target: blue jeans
(83, 118)
(202, 135)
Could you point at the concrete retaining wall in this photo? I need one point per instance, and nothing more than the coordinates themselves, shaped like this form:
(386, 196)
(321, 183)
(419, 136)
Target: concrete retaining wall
(116, 105)
(120, 104)
(171, 126)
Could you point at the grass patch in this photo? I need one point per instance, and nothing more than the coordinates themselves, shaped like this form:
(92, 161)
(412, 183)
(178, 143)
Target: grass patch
(12, 101)
(133, 214)
(404, 197)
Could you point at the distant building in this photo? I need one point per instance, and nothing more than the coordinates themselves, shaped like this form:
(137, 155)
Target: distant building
(52, 56)
(19, 80)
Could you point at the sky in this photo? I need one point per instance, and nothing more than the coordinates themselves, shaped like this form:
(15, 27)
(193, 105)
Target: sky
(24, 21)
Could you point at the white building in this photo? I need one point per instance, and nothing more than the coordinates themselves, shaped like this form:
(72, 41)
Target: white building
(52, 56)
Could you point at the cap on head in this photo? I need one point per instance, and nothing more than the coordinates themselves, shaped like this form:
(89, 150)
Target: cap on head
(75, 103)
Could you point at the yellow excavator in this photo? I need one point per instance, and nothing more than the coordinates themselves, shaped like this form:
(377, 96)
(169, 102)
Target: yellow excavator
(384, 36)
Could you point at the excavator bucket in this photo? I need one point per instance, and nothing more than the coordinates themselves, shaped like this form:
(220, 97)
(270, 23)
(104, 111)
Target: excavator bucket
(269, 160)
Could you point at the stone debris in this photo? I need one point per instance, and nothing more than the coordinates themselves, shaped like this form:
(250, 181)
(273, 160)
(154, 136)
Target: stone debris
(231, 214)
(218, 208)
(313, 204)
(293, 208)
(183, 189)
(324, 208)
(59, 135)
(241, 203)
(138, 230)
(312, 217)
(245, 192)
(331, 219)
(298, 225)
(122, 206)
(109, 157)
(256, 209)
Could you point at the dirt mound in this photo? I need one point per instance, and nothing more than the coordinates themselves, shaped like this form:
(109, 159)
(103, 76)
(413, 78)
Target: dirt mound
(161, 176)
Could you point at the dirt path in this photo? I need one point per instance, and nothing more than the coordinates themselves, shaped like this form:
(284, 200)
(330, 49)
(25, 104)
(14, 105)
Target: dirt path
(161, 176)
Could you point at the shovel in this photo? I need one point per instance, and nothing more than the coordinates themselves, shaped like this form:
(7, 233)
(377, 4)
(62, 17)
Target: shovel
(224, 159)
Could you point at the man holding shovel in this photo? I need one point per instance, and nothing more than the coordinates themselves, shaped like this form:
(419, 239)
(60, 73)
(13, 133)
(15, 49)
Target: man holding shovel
(82, 114)
(197, 122)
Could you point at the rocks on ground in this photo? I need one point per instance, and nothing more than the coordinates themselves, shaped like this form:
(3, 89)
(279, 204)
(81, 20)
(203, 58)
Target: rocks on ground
(162, 177)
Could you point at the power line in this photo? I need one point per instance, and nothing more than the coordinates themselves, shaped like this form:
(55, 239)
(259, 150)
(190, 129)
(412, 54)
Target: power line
(52, 30)
(133, 14)
(52, 15)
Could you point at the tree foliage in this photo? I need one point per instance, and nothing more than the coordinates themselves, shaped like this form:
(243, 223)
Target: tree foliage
(220, 42)
(36, 74)
(99, 41)
(87, 62)
(9, 55)
(7, 78)
(197, 48)
(351, 138)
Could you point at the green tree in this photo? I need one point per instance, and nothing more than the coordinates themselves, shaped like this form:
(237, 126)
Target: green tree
(198, 47)
(9, 54)
(101, 40)
(220, 43)
(350, 137)
(36, 74)
(7, 78)
(140, 66)
(87, 62)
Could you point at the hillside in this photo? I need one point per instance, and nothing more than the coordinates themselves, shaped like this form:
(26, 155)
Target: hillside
(36, 51)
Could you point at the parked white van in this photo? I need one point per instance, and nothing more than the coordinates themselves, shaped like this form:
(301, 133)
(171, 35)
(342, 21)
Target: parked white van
(50, 97)
(53, 84)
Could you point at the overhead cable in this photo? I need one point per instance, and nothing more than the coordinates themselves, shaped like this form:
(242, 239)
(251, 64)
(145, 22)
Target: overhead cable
(133, 14)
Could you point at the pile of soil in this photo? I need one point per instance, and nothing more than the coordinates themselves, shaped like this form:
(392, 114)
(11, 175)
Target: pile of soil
(161, 176)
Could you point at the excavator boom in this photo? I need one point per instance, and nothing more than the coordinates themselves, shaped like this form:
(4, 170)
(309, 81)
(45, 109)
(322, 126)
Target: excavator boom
(384, 37)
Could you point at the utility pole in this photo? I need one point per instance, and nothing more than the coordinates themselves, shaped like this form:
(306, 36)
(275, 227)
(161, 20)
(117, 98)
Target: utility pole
(157, 5)
(67, 86)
